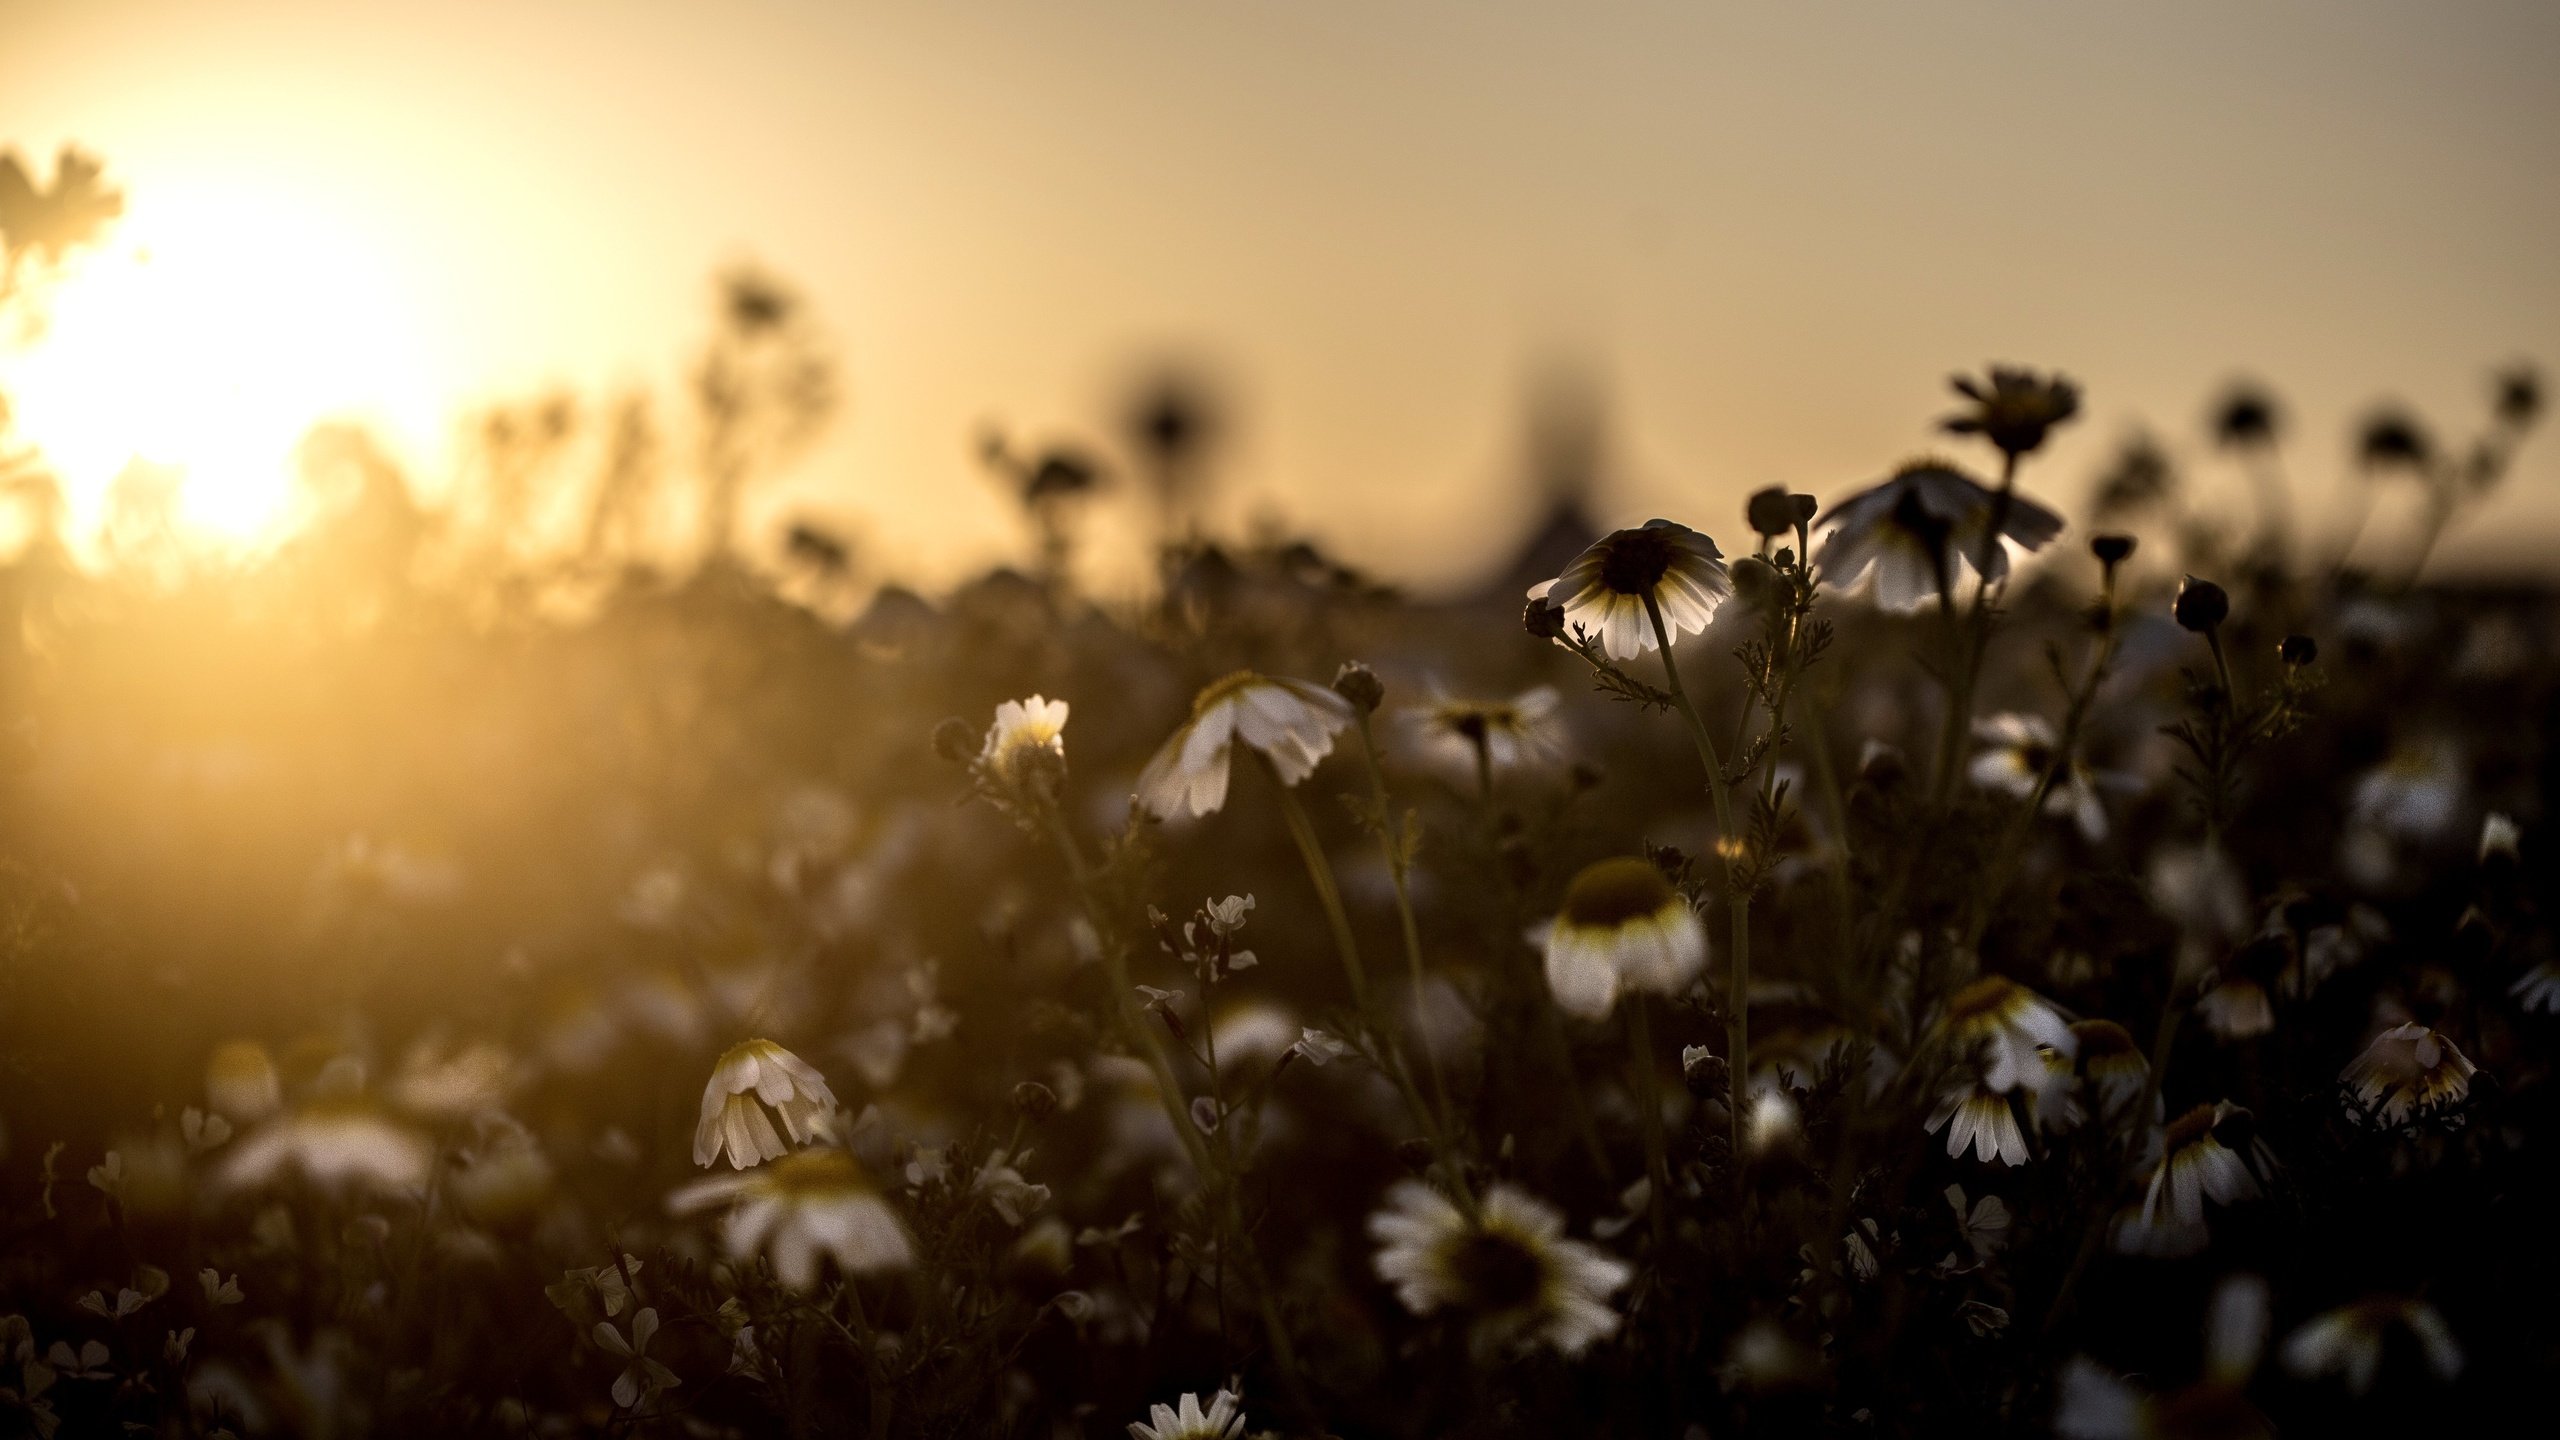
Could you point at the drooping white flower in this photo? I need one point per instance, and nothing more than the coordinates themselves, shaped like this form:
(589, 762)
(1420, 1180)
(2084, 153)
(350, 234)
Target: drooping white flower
(336, 1141)
(1222, 1419)
(1509, 1272)
(1999, 1023)
(734, 1123)
(1921, 530)
(2408, 1070)
(1622, 928)
(1291, 722)
(2347, 1341)
(805, 1206)
(2114, 1066)
(1979, 1118)
(1603, 590)
(2193, 1166)
(240, 1082)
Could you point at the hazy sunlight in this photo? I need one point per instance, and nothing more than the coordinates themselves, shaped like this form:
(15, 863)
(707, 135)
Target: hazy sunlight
(206, 343)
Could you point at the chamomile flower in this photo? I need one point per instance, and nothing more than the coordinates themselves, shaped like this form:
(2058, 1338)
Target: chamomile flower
(733, 1121)
(1221, 1419)
(808, 1205)
(1025, 733)
(241, 1083)
(2347, 1342)
(2408, 1070)
(1999, 1023)
(1622, 927)
(2112, 1063)
(1603, 590)
(2415, 795)
(2012, 408)
(2538, 989)
(1979, 1118)
(337, 1142)
(2193, 1166)
(1452, 736)
(1921, 530)
(2020, 750)
(1510, 1271)
(1291, 722)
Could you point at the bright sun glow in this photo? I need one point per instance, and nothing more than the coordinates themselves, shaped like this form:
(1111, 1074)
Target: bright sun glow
(202, 341)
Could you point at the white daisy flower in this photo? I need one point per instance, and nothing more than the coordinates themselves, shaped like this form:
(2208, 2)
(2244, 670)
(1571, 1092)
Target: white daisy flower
(2194, 1166)
(1525, 730)
(2408, 1069)
(2201, 891)
(2114, 1066)
(1979, 1118)
(807, 1205)
(1622, 927)
(1999, 1023)
(2347, 1341)
(337, 1142)
(1510, 1271)
(1603, 589)
(2021, 749)
(2415, 795)
(2538, 988)
(1921, 530)
(1223, 1419)
(1022, 729)
(733, 1122)
(1292, 722)
(240, 1081)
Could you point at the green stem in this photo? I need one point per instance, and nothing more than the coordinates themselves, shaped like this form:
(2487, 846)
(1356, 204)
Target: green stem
(1320, 871)
(1141, 1038)
(1737, 904)
(1391, 840)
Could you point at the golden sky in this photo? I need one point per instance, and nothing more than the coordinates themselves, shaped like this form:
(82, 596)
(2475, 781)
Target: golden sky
(1772, 229)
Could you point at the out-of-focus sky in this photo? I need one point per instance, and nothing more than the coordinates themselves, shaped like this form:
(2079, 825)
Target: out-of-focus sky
(1772, 230)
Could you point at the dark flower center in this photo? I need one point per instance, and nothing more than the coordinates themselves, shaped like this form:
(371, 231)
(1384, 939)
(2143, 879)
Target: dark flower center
(1499, 1273)
(1637, 560)
(1614, 892)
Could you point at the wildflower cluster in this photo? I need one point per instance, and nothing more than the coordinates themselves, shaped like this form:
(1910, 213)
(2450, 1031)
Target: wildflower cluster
(1978, 983)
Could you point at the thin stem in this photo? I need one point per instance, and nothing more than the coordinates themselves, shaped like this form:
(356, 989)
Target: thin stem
(1391, 840)
(1737, 904)
(1320, 871)
(1141, 1038)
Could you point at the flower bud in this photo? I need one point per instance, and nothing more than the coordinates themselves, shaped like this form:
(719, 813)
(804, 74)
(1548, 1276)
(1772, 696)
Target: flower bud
(1034, 1101)
(1544, 619)
(2297, 650)
(2111, 550)
(2201, 605)
(1771, 511)
(1754, 583)
(954, 741)
(1360, 685)
(1806, 506)
(1707, 1074)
